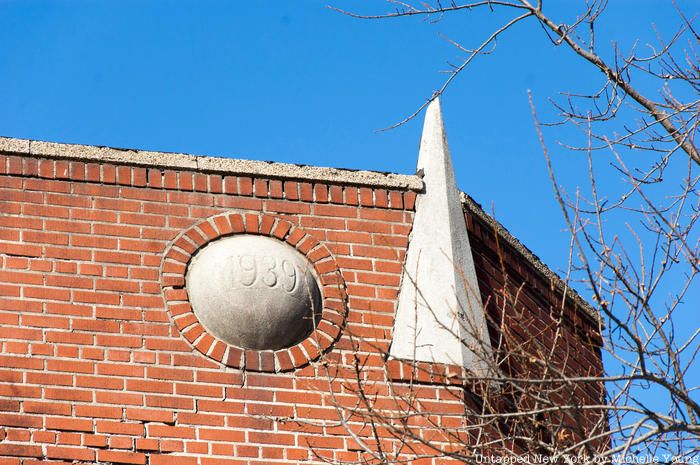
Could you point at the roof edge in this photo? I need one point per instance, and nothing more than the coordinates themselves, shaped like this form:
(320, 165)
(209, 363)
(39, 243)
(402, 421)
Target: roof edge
(537, 264)
(274, 170)
(209, 164)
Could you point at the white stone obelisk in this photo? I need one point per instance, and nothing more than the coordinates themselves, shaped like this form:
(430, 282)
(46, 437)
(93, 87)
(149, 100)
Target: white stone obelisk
(440, 317)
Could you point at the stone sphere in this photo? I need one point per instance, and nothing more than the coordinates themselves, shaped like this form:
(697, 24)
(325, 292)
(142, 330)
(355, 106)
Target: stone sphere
(254, 292)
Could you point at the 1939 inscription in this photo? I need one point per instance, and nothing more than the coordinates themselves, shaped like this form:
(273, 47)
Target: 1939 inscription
(256, 271)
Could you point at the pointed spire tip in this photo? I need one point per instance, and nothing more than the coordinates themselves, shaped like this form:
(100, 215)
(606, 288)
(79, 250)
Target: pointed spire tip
(433, 114)
(434, 104)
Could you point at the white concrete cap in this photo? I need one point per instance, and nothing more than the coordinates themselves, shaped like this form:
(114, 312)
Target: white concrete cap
(440, 316)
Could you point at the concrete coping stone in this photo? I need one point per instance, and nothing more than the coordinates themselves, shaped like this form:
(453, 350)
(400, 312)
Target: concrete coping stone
(208, 164)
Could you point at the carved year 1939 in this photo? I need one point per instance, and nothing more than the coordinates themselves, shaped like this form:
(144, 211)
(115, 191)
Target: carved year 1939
(251, 270)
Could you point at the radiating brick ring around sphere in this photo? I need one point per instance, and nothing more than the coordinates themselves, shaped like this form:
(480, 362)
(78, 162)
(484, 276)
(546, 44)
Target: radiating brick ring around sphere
(253, 291)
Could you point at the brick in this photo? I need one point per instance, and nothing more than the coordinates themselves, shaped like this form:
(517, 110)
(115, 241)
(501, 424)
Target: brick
(199, 390)
(8, 405)
(10, 361)
(70, 366)
(174, 402)
(366, 197)
(20, 450)
(171, 431)
(46, 293)
(291, 190)
(279, 439)
(201, 183)
(245, 186)
(200, 419)
(14, 165)
(45, 237)
(69, 424)
(409, 200)
(336, 194)
(149, 415)
(121, 457)
(99, 382)
(98, 411)
(335, 211)
(306, 192)
(260, 187)
(26, 250)
(276, 191)
(170, 374)
(320, 193)
(20, 277)
(230, 185)
(148, 386)
(23, 420)
(280, 206)
(121, 442)
(118, 341)
(119, 398)
(352, 196)
(185, 181)
(70, 453)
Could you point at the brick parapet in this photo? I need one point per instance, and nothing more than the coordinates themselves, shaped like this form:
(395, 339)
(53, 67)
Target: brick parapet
(205, 164)
(93, 367)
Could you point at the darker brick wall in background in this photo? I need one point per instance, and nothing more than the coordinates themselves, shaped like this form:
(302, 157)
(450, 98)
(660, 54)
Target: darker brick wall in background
(93, 369)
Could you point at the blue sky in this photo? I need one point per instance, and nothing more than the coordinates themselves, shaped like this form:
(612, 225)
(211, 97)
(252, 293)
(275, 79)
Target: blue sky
(297, 82)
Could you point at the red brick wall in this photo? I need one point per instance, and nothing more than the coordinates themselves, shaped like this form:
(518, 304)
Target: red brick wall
(541, 337)
(93, 366)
